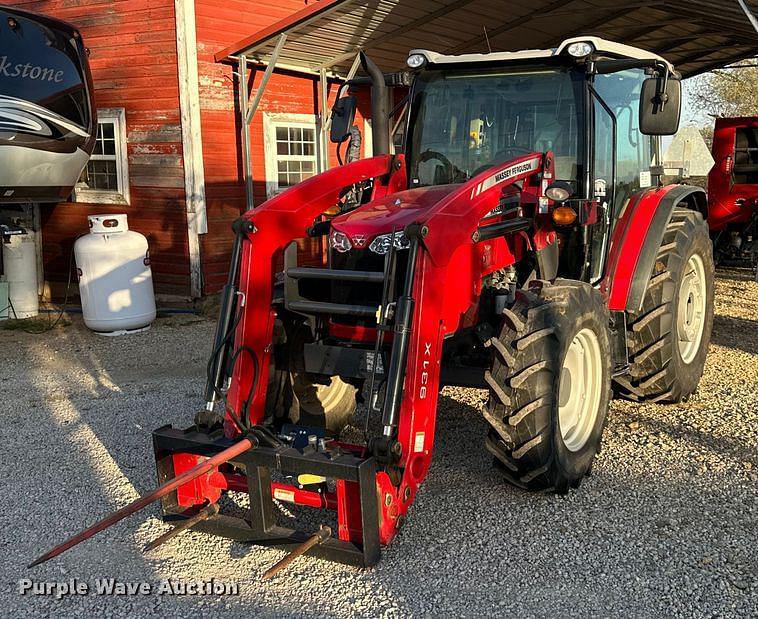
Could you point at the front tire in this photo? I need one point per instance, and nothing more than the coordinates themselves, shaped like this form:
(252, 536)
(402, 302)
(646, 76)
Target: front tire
(550, 385)
(668, 338)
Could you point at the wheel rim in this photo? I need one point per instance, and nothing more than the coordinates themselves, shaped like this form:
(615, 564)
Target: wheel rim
(690, 314)
(580, 389)
(317, 399)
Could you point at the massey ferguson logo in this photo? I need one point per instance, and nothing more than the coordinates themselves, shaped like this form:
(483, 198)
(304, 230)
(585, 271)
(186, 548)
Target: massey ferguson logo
(29, 71)
(359, 240)
(503, 175)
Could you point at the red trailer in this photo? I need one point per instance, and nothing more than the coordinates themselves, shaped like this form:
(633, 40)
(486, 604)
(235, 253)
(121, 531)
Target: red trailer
(733, 192)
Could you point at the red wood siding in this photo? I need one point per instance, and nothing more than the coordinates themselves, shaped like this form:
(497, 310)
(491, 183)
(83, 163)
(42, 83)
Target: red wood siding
(218, 26)
(134, 66)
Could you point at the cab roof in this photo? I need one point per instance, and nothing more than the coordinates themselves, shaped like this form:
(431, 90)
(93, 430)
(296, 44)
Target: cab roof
(602, 47)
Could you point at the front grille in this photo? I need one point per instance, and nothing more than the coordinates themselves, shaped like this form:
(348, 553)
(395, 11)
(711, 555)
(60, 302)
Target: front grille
(361, 293)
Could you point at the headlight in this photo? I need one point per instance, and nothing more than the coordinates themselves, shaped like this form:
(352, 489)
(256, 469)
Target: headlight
(416, 61)
(559, 191)
(381, 244)
(581, 49)
(340, 242)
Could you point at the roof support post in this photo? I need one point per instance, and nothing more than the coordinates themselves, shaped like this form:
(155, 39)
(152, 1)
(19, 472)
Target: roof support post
(325, 116)
(248, 108)
(350, 75)
(247, 165)
(266, 76)
(323, 121)
(749, 14)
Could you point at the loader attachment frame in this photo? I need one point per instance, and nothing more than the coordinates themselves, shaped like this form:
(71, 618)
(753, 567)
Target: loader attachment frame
(358, 538)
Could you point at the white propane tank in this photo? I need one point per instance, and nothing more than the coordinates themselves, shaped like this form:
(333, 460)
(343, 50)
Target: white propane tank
(115, 280)
(20, 266)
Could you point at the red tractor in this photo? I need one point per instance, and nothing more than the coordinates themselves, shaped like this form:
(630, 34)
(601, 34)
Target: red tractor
(733, 192)
(520, 244)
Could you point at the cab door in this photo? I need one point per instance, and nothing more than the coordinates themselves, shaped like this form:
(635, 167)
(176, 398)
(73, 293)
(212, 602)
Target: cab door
(621, 156)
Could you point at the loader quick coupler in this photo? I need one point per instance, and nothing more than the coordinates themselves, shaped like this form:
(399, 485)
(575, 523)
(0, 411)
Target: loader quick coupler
(262, 472)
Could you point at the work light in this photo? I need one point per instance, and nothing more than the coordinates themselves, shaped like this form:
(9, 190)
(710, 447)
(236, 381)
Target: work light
(581, 49)
(559, 191)
(416, 61)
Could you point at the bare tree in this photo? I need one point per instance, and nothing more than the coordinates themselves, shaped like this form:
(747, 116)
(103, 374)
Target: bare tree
(729, 92)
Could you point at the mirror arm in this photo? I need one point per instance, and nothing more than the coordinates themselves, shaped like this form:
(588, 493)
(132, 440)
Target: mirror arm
(602, 67)
(661, 96)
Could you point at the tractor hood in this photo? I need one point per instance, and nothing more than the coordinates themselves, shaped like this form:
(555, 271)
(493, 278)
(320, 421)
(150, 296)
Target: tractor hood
(388, 214)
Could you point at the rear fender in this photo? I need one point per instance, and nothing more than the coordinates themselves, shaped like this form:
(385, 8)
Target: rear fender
(636, 240)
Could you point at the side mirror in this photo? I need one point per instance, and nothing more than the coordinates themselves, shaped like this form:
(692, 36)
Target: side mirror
(660, 106)
(343, 115)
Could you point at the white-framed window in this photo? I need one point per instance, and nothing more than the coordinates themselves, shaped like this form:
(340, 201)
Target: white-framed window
(291, 150)
(105, 180)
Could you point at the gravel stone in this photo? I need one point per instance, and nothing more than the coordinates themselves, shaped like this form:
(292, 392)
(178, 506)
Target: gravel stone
(665, 526)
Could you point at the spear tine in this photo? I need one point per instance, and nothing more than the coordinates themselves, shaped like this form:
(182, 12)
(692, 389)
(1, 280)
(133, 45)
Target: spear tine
(205, 513)
(171, 485)
(319, 537)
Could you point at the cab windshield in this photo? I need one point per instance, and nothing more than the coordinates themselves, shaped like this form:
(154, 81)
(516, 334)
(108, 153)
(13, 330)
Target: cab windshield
(465, 122)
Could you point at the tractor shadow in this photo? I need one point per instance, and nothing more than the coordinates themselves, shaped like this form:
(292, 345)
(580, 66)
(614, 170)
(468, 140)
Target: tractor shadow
(735, 274)
(737, 333)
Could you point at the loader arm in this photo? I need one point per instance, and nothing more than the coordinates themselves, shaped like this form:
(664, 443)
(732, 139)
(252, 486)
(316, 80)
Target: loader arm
(374, 484)
(447, 281)
(279, 221)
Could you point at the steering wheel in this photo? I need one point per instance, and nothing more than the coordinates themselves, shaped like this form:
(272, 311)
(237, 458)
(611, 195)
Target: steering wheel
(429, 155)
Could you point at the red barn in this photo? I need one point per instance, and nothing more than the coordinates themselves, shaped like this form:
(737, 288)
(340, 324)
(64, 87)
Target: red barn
(170, 110)
(167, 111)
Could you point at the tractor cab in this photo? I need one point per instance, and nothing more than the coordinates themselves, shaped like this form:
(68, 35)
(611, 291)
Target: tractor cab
(599, 107)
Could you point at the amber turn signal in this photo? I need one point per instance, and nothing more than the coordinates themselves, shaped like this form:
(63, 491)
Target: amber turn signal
(564, 215)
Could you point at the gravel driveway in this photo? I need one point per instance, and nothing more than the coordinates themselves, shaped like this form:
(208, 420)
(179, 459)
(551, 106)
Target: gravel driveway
(666, 525)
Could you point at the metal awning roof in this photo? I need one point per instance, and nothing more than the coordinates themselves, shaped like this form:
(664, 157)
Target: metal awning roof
(695, 35)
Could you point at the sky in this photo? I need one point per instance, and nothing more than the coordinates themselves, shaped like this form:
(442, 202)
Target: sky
(692, 115)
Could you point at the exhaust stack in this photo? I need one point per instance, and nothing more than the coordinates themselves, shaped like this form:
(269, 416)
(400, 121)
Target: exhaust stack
(379, 106)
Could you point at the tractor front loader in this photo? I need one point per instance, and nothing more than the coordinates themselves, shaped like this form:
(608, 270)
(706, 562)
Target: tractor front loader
(520, 244)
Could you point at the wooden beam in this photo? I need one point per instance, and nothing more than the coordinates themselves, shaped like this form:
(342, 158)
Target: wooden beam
(192, 141)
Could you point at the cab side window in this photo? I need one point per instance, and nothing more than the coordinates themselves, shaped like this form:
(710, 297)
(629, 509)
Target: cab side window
(621, 93)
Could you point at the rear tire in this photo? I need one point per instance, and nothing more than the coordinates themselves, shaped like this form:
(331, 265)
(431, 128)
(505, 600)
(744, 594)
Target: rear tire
(668, 338)
(330, 405)
(549, 385)
(305, 399)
